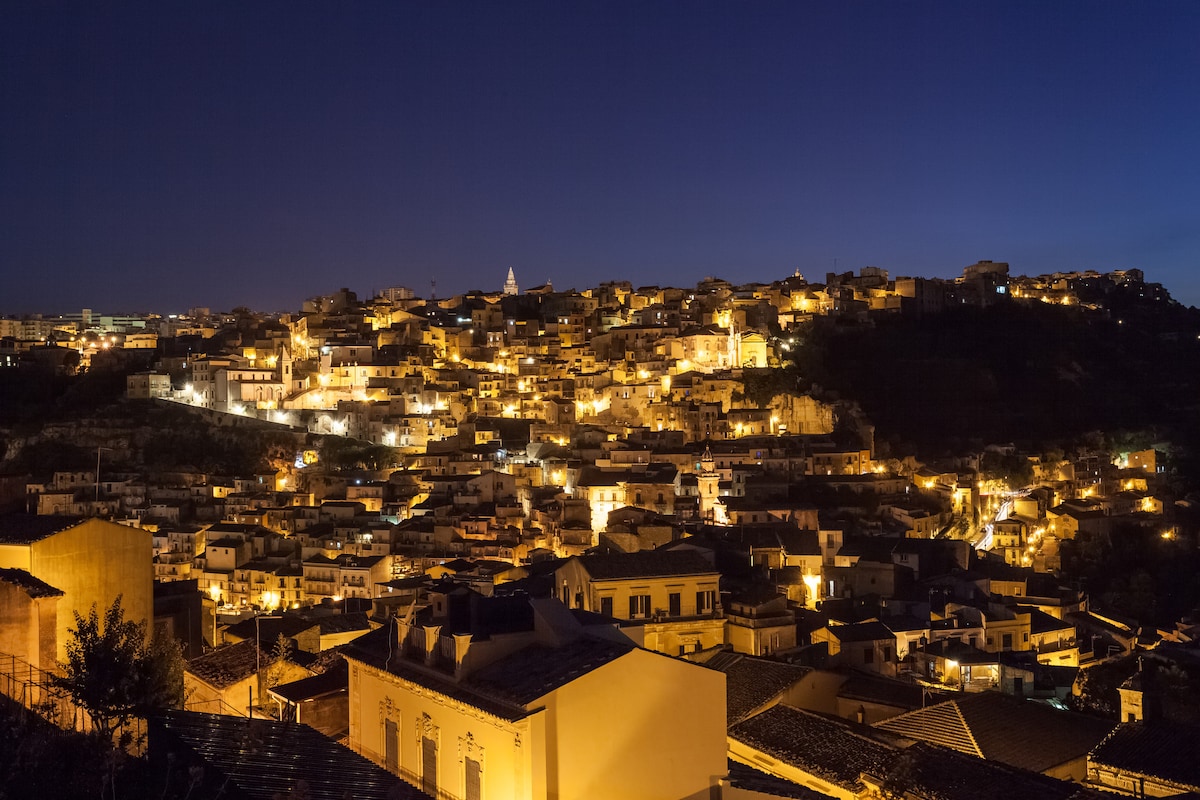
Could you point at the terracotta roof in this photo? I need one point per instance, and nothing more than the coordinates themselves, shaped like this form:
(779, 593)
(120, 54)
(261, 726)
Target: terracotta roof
(537, 670)
(227, 665)
(34, 587)
(747, 778)
(269, 628)
(861, 632)
(336, 679)
(1020, 733)
(869, 688)
(646, 564)
(1159, 748)
(30, 528)
(820, 746)
(344, 623)
(751, 683)
(263, 759)
(935, 773)
(375, 649)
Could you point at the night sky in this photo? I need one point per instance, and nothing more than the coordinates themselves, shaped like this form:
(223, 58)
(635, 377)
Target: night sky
(165, 155)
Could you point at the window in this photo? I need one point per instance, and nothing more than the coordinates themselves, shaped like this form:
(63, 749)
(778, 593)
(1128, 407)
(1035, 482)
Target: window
(868, 655)
(472, 779)
(887, 654)
(1007, 641)
(705, 601)
(391, 745)
(639, 606)
(676, 608)
(429, 766)
(606, 606)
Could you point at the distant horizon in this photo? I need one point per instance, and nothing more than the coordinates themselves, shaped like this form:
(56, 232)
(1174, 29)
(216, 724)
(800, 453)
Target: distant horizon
(368, 293)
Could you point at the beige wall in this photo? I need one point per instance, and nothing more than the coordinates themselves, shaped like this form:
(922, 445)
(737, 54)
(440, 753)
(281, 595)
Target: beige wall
(643, 727)
(92, 562)
(28, 627)
(509, 753)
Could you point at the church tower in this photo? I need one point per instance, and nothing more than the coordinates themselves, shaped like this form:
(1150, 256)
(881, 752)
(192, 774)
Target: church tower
(510, 283)
(708, 482)
(1140, 698)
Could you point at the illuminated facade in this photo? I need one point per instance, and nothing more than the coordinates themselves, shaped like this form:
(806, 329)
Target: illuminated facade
(539, 709)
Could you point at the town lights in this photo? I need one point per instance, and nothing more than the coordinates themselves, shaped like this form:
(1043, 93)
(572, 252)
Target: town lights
(812, 583)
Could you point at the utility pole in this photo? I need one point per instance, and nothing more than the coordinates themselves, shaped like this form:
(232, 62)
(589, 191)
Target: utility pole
(98, 449)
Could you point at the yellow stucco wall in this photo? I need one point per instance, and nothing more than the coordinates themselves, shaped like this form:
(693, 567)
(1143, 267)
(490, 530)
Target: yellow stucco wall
(94, 562)
(642, 727)
(27, 627)
(511, 754)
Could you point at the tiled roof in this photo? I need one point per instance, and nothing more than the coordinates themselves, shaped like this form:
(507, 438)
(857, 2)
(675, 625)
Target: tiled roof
(537, 670)
(30, 528)
(328, 682)
(646, 564)
(751, 683)
(786, 537)
(1041, 622)
(822, 747)
(865, 687)
(344, 623)
(747, 778)
(34, 587)
(935, 773)
(226, 541)
(1158, 748)
(1020, 733)
(264, 759)
(227, 665)
(268, 628)
(861, 632)
(504, 688)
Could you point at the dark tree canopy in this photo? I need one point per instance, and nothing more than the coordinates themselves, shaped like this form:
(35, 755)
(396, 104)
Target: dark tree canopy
(115, 674)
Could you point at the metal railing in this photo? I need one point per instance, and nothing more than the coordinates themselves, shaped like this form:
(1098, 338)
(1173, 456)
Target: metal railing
(33, 688)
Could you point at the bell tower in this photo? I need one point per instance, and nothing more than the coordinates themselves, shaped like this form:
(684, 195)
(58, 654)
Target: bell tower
(708, 482)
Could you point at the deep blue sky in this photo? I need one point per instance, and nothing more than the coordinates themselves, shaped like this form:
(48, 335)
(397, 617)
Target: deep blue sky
(164, 155)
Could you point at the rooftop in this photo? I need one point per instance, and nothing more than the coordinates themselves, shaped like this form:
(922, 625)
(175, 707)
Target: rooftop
(34, 587)
(820, 746)
(263, 759)
(30, 528)
(646, 564)
(1020, 733)
(1159, 748)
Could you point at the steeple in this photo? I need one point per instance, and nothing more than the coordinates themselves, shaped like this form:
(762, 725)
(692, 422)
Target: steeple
(510, 284)
(708, 482)
(1140, 698)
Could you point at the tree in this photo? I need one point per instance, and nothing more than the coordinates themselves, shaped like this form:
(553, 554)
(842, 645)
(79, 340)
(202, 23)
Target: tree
(280, 653)
(115, 674)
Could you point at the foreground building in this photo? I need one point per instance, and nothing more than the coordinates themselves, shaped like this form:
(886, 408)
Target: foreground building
(511, 698)
(89, 561)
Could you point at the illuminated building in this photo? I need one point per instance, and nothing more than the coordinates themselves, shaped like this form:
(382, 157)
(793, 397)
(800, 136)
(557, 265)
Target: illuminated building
(511, 698)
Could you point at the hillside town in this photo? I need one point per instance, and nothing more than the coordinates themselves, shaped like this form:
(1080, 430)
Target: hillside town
(531, 543)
